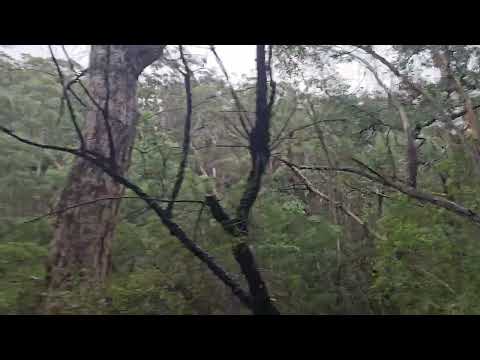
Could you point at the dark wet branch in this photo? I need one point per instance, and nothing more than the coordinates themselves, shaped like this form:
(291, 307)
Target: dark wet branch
(259, 143)
(259, 140)
(177, 232)
(39, 145)
(262, 304)
(220, 214)
(174, 229)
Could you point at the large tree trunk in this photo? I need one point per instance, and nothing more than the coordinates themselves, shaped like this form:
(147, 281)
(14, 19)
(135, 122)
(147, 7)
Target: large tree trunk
(82, 244)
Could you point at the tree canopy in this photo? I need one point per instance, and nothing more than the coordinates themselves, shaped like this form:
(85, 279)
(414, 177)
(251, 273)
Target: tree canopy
(292, 192)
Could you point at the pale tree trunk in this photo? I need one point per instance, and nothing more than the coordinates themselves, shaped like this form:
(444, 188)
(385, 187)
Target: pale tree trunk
(82, 245)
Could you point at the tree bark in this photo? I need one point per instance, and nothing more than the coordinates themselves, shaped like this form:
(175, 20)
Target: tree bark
(82, 243)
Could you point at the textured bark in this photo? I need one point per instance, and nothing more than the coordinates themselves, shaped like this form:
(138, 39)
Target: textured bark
(412, 156)
(259, 139)
(261, 302)
(81, 248)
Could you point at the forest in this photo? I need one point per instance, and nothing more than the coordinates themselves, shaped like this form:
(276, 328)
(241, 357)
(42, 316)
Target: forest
(148, 183)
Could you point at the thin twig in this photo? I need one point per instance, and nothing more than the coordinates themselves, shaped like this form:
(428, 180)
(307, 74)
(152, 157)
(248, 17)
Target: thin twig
(338, 204)
(186, 134)
(174, 228)
(241, 114)
(405, 189)
(67, 98)
(55, 212)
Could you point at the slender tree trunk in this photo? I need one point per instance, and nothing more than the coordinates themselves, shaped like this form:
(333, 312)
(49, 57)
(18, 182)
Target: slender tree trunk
(82, 243)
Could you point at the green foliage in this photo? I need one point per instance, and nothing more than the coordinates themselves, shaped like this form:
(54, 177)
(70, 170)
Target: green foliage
(298, 256)
(429, 265)
(21, 268)
(314, 259)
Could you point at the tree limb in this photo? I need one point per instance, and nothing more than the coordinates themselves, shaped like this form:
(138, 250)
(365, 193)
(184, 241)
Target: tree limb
(67, 98)
(186, 135)
(338, 204)
(244, 119)
(405, 189)
(174, 229)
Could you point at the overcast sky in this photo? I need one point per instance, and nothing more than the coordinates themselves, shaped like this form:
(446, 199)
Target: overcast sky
(238, 59)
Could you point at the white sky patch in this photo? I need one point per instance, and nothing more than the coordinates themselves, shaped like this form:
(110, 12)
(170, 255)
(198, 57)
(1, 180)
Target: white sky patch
(239, 60)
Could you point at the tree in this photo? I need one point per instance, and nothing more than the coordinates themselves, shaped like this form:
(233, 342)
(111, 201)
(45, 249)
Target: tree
(91, 259)
(82, 243)
(340, 200)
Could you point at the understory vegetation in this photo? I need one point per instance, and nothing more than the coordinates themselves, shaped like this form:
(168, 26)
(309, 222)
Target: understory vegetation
(368, 204)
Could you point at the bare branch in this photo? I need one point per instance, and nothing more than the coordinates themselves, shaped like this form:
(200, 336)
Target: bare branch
(67, 98)
(276, 141)
(441, 112)
(222, 146)
(405, 189)
(197, 222)
(242, 116)
(174, 229)
(42, 146)
(412, 157)
(69, 59)
(94, 201)
(186, 134)
(338, 204)
(205, 101)
(235, 128)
